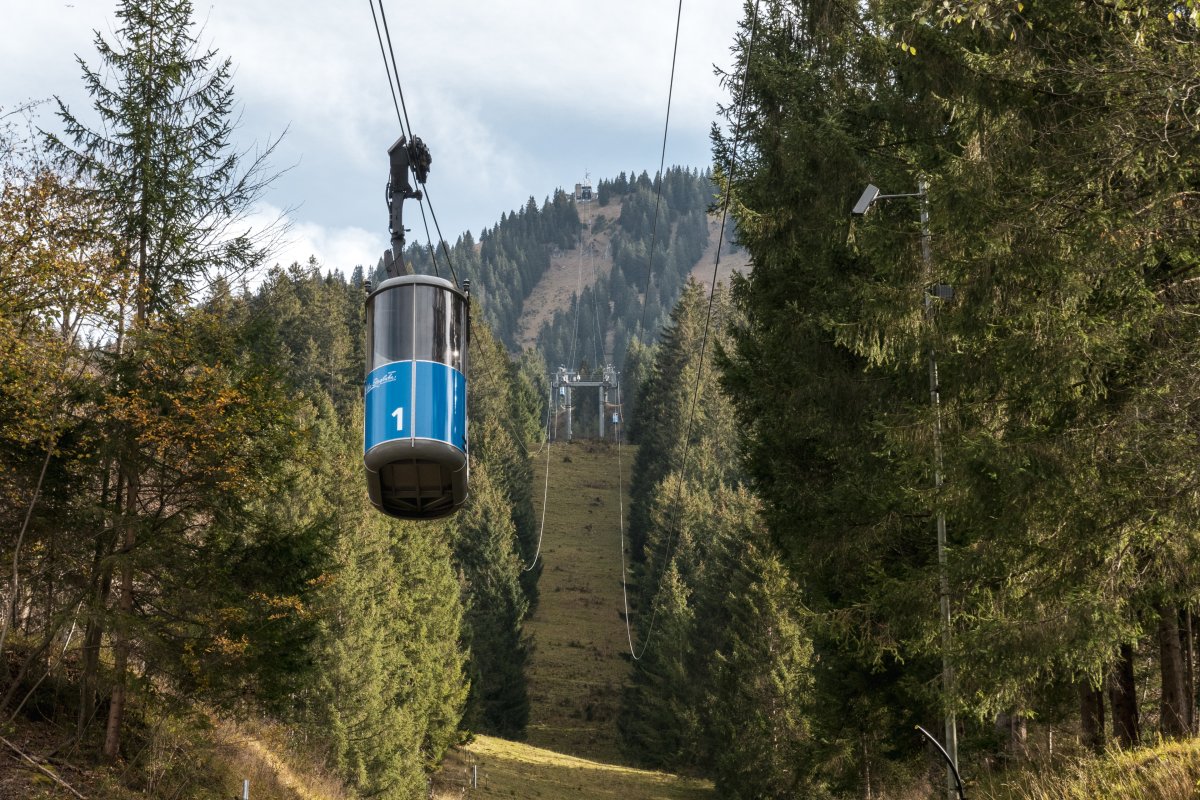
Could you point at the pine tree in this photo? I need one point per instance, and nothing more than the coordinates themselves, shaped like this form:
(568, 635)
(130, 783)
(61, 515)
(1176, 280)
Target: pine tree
(162, 167)
(660, 722)
(493, 537)
(760, 698)
(485, 552)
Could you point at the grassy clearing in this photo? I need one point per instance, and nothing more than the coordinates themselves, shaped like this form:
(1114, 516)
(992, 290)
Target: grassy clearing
(578, 665)
(1167, 771)
(510, 769)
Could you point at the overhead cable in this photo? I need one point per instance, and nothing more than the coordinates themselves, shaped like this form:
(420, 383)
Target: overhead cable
(687, 440)
(662, 178)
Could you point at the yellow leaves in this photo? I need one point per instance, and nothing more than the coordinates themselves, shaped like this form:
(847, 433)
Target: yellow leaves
(987, 15)
(53, 252)
(282, 607)
(223, 645)
(323, 580)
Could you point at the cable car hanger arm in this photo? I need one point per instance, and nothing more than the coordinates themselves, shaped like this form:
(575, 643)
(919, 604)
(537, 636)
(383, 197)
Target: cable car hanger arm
(404, 157)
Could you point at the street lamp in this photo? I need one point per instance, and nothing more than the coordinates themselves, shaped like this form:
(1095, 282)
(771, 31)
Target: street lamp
(941, 291)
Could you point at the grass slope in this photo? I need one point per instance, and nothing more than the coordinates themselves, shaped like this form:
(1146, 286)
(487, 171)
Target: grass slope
(185, 754)
(511, 769)
(1162, 771)
(578, 665)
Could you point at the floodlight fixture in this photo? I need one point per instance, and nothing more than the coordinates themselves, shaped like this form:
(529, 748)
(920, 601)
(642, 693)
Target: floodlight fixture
(869, 196)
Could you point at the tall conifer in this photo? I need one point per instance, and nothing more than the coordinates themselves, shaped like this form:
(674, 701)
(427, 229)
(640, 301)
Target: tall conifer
(162, 166)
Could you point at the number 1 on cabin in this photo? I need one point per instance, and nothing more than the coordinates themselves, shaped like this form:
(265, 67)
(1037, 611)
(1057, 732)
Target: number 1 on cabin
(399, 415)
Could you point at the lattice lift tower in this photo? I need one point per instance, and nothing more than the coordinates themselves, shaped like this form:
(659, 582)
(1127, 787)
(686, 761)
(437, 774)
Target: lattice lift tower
(566, 381)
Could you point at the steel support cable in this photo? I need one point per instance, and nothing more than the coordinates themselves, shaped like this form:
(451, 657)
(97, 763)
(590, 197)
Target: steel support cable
(598, 348)
(441, 238)
(382, 52)
(621, 508)
(687, 440)
(545, 486)
(662, 178)
(662, 160)
(393, 78)
(425, 193)
(406, 128)
(429, 242)
(574, 340)
(578, 299)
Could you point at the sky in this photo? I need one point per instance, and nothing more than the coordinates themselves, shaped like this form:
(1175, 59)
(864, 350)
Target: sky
(513, 98)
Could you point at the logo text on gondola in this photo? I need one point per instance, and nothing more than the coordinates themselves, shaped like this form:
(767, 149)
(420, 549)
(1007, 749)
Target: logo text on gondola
(380, 380)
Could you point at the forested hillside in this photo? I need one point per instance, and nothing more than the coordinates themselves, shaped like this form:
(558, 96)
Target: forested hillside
(507, 261)
(634, 297)
(600, 320)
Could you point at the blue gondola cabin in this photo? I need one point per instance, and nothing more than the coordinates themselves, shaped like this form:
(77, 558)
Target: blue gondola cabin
(415, 397)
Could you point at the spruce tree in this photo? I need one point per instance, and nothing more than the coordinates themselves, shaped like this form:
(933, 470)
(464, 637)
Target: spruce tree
(493, 540)
(162, 167)
(389, 675)
(1055, 215)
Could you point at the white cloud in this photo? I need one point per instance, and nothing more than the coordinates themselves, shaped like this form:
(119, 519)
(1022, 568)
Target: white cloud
(333, 248)
(513, 98)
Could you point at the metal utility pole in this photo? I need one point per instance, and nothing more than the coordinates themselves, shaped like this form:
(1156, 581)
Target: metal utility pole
(935, 400)
(602, 393)
(931, 292)
(570, 408)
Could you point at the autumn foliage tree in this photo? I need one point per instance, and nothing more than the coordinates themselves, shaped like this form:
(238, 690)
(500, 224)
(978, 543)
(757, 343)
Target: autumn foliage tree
(162, 169)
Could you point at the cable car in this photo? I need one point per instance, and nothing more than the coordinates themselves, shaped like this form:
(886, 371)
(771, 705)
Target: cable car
(415, 397)
(415, 394)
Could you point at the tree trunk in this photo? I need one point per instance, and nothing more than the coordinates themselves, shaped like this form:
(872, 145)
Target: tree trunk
(15, 588)
(1187, 642)
(101, 586)
(30, 659)
(1173, 701)
(1091, 714)
(866, 771)
(1011, 731)
(1123, 696)
(121, 639)
(93, 637)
